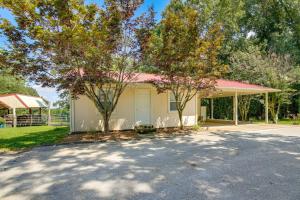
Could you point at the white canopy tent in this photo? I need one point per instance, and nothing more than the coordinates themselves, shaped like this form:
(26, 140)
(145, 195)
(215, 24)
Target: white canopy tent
(15, 101)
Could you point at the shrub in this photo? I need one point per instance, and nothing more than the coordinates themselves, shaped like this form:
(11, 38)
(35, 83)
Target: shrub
(196, 127)
(2, 121)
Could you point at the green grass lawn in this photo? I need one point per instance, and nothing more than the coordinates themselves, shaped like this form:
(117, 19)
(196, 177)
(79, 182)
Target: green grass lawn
(289, 121)
(281, 121)
(13, 139)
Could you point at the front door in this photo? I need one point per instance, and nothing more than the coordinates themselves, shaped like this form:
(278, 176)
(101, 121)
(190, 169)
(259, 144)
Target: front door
(142, 106)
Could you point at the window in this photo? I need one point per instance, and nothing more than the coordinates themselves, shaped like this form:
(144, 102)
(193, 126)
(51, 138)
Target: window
(172, 103)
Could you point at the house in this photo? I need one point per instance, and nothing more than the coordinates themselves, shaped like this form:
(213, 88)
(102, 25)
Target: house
(141, 104)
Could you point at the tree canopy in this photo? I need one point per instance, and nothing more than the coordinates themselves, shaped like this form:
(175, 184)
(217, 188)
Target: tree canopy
(185, 53)
(83, 48)
(94, 50)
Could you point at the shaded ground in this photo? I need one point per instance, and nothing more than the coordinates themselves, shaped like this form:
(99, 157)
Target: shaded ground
(222, 165)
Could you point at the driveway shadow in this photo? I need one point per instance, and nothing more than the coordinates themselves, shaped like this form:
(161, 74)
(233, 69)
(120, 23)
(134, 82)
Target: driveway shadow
(220, 165)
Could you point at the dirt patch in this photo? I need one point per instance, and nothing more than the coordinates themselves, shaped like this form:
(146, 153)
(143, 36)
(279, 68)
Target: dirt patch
(98, 136)
(125, 135)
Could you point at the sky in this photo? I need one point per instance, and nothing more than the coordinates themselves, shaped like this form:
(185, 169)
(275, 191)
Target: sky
(50, 93)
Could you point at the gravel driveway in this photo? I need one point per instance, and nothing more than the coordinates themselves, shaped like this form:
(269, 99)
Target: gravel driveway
(257, 165)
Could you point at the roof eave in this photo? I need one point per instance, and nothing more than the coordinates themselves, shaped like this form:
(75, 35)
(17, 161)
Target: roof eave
(258, 90)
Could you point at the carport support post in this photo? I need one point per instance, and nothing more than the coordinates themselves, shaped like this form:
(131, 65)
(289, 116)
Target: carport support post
(212, 108)
(267, 108)
(235, 109)
(14, 117)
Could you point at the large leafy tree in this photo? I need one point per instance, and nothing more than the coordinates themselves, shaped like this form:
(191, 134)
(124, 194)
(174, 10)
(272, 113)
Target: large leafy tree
(12, 84)
(268, 69)
(185, 54)
(64, 101)
(244, 66)
(228, 13)
(276, 22)
(84, 48)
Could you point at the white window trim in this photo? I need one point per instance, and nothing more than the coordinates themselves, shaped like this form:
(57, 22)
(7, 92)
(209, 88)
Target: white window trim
(169, 101)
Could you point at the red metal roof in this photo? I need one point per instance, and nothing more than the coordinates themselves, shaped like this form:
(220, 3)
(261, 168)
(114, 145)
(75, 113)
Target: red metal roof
(237, 84)
(144, 77)
(221, 83)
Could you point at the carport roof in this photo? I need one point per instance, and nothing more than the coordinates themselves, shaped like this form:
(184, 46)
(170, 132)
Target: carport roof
(225, 86)
(21, 101)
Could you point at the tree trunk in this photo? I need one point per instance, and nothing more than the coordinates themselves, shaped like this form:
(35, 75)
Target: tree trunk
(274, 109)
(106, 123)
(180, 120)
(244, 106)
(277, 113)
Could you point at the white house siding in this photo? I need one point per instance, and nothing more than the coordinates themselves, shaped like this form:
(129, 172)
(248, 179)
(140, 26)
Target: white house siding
(87, 118)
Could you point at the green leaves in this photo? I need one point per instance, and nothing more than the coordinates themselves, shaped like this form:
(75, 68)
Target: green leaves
(184, 53)
(268, 69)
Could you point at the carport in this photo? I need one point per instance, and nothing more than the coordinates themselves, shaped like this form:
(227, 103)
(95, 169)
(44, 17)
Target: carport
(12, 102)
(226, 88)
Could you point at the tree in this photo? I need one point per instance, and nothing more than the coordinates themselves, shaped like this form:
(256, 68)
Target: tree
(64, 100)
(11, 84)
(278, 75)
(83, 48)
(185, 56)
(275, 22)
(268, 69)
(243, 67)
(228, 13)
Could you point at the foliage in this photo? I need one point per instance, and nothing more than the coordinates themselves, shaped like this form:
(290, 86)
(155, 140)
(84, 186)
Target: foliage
(93, 50)
(270, 70)
(228, 13)
(275, 21)
(12, 139)
(186, 58)
(222, 108)
(270, 26)
(83, 48)
(2, 121)
(196, 127)
(244, 103)
(12, 84)
(64, 101)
